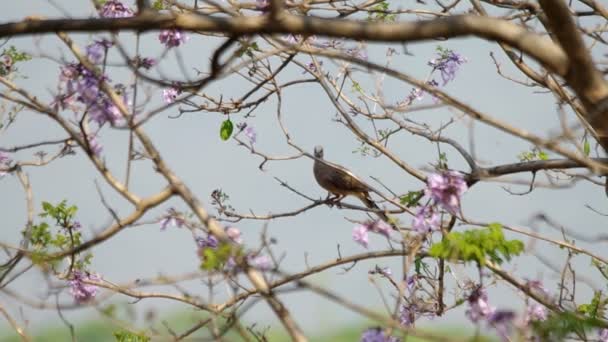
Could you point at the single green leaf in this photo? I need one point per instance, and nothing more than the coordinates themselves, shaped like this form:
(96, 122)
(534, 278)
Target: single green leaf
(587, 147)
(226, 129)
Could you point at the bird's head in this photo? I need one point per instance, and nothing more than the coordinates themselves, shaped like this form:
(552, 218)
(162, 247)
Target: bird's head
(319, 151)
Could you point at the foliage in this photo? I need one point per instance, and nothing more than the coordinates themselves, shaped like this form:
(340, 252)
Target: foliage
(477, 245)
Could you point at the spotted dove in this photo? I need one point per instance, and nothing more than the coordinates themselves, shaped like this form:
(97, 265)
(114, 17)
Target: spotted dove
(341, 182)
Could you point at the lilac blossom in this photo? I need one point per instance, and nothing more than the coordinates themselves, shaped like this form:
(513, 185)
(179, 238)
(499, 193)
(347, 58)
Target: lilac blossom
(360, 235)
(426, 220)
(312, 66)
(260, 262)
(380, 227)
(94, 145)
(410, 282)
(170, 94)
(479, 308)
(535, 312)
(377, 335)
(147, 62)
(4, 158)
(251, 134)
(115, 9)
(357, 52)
(209, 242)
(603, 335)
(234, 234)
(262, 5)
(81, 291)
(407, 315)
(172, 37)
(97, 50)
(172, 219)
(4, 161)
(446, 189)
(448, 63)
(502, 321)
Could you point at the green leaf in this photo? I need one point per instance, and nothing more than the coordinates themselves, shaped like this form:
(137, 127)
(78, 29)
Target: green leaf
(158, 5)
(127, 336)
(411, 198)
(586, 147)
(543, 155)
(226, 129)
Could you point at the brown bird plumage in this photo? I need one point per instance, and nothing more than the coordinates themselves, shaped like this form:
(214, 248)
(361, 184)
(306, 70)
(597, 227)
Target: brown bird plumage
(341, 182)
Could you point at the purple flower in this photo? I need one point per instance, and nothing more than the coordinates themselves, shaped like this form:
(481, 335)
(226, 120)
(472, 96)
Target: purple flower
(97, 50)
(448, 63)
(94, 145)
(79, 290)
(381, 228)
(251, 134)
(603, 335)
(312, 66)
(4, 158)
(479, 308)
(234, 234)
(410, 282)
(407, 315)
(170, 94)
(426, 220)
(260, 262)
(115, 9)
(172, 219)
(357, 53)
(361, 236)
(502, 321)
(147, 62)
(446, 189)
(209, 242)
(172, 37)
(334, 44)
(292, 39)
(377, 335)
(535, 312)
(262, 5)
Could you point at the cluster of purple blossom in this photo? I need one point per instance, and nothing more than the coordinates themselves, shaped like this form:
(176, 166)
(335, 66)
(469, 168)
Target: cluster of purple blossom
(115, 9)
(84, 86)
(444, 190)
(249, 132)
(4, 162)
(447, 63)
(172, 37)
(502, 321)
(79, 289)
(361, 232)
(255, 260)
(173, 218)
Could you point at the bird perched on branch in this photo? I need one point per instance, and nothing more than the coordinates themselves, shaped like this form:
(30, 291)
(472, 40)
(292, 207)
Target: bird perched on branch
(341, 182)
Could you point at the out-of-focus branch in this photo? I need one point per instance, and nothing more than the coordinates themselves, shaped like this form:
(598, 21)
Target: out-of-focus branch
(540, 48)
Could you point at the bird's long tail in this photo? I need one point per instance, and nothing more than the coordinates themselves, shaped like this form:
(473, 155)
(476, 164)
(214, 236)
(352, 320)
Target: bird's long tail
(379, 212)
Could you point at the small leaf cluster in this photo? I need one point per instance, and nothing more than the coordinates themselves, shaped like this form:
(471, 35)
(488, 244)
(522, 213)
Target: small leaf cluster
(559, 325)
(127, 336)
(412, 198)
(381, 12)
(10, 57)
(534, 154)
(596, 308)
(65, 236)
(478, 245)
(248, 49)
(216, 259)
